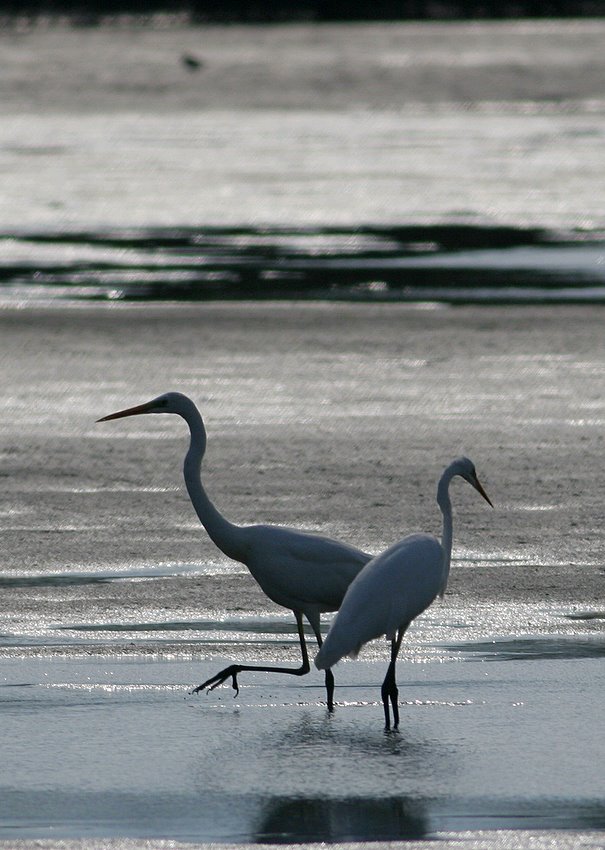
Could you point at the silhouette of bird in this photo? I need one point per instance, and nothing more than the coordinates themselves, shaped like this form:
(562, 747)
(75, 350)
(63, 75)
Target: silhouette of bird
(307, 573)
(394, 588)
(191, 62)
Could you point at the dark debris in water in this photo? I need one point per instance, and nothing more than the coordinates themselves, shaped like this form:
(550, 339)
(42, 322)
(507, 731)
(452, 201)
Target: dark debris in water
(454, 263)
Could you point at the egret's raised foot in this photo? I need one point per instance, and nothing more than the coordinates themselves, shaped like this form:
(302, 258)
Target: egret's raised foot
(218, 679)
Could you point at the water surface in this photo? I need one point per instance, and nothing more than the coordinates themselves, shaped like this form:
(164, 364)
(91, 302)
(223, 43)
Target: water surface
(113, 745)
(455, 264)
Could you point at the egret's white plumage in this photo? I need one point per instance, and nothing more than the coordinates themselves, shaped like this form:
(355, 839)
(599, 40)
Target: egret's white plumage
(307, 573)
(379, 600)
(394, 588)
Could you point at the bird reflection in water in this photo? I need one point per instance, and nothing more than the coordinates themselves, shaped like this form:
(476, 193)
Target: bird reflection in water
(312, 819)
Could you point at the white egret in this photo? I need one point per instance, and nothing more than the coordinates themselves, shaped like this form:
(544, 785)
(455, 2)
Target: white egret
(394, 588)
(306, 573)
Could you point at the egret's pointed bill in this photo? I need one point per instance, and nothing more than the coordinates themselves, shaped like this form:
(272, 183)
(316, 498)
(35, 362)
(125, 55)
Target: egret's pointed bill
(479, 488)
(130, 411)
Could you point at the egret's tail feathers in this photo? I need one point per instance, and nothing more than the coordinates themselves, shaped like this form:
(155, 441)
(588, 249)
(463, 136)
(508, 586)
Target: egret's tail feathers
(328, 655)
(325, 659)
(319, 661)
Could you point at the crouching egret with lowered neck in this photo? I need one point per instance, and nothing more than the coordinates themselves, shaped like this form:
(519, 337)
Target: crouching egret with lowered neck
(394, 588)
(306, 573)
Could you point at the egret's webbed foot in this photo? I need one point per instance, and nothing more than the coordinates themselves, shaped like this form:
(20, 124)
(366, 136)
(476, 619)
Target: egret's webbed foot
(214, 681)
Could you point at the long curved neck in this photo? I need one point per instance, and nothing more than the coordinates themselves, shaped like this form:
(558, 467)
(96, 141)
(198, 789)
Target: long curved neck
(228, 537)
(444, 502)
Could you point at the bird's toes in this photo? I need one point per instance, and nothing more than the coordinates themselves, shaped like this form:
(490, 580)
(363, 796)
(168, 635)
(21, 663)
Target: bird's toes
(218, 682)
(210, 684)
(219, 679)
(206, 686)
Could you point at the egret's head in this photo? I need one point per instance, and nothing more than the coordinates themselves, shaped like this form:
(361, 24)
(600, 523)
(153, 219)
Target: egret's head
(466, 469)
(166, 403)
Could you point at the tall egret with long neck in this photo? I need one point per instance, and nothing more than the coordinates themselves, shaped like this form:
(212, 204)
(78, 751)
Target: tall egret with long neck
(394, 588)
(307, 573)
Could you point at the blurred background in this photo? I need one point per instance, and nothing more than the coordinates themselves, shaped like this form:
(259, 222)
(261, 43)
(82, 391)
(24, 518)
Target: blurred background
(254, 11)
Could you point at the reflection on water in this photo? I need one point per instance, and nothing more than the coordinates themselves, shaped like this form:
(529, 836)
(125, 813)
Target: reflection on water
(587, 615)
(451, 263)
(277, 820)
(255, 626)
(537, 649)
(518, 814)
(240, 632)
(56, 580)
(71, 813)
(73, 579)
(316, 819)
(295, 820)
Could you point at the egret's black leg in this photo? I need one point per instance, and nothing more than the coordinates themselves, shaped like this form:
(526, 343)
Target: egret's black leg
(329, 679)
(389, 690)
(385, 692)
(394, 697)
(330, 689)
(234, 670)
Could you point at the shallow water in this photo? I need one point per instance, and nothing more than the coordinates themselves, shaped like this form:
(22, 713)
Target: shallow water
(110, 746)
(456, 264)
(102, 737)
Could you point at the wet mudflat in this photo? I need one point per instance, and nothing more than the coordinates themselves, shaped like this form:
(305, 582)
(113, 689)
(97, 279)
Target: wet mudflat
(116, 748)
(115, 603)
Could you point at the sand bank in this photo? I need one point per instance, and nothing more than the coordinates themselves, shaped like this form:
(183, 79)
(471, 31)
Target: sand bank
(338, 418)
